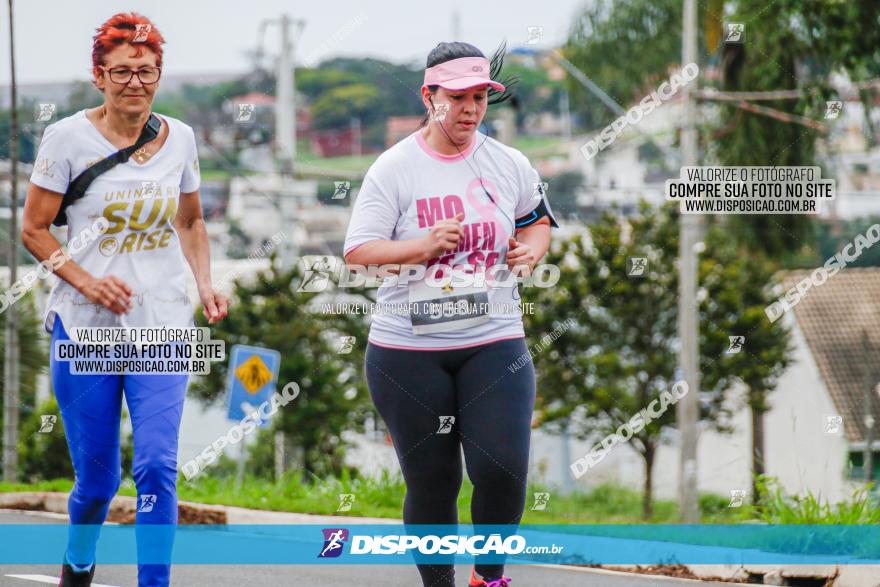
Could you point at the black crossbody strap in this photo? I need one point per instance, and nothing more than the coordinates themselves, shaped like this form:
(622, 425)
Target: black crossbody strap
(77, 188)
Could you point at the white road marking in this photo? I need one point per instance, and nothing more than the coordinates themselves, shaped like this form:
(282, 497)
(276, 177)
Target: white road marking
(48, 579)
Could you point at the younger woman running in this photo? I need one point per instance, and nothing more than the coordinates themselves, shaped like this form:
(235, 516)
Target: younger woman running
(449, 196)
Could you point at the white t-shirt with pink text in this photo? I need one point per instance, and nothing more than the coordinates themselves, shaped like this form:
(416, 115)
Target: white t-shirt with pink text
(408, 189)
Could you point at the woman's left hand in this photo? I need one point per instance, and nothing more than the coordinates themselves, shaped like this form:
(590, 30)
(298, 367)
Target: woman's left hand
(520, 254)
(215, 304)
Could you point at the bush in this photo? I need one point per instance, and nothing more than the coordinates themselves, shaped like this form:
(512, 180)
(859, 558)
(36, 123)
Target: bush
(713, 504)
(44, 455)
(777, 508)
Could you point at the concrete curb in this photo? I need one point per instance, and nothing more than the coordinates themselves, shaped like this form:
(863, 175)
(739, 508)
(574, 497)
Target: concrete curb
(190, 512)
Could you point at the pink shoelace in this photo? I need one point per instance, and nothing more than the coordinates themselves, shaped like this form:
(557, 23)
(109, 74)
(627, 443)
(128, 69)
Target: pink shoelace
(502, 582)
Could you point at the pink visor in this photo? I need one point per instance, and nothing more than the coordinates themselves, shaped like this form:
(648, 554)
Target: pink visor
(461, 73)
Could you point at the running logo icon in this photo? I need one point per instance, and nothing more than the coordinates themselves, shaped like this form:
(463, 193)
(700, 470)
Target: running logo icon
(541, 501)
(346, 344)
(440, 111)
(636, 266)
(736, 498)
(539, 190)
(833, 424)
(735, 32)
(45, 112)
(245, 113)
(47, 423)
(832, 109)
(342, 188)
(736, 344)
(534, 35)
(141, 32)
(149, 189)
(346, 500)
(334, 540)
(43, 166)
(446, 423)
(148, 500)
(317, 274)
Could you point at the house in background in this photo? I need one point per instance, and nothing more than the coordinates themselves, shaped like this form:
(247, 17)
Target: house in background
(400, 127)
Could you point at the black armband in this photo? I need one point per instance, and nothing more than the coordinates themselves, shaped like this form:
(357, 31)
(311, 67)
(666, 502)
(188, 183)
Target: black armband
(542, 210)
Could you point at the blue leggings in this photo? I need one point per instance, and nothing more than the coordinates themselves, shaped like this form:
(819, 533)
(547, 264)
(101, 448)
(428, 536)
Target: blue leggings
(91, 408)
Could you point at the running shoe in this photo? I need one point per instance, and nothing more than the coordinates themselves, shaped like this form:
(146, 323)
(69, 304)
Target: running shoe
(70, 578)
(475, 582)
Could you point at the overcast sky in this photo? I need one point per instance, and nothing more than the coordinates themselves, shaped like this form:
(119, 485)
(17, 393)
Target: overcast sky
(53, 37)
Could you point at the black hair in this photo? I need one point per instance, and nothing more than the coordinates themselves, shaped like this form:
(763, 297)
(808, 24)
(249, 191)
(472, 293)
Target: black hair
(444, 52)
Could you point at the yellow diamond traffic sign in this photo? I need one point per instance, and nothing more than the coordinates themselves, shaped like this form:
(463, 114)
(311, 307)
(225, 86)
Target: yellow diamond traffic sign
(253, 374)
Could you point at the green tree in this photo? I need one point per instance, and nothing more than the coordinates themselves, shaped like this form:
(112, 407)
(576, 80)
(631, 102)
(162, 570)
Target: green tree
(336, 107)
(312, 82)
(26, 147)
(619, 351)
(535, 91)
(398, 85)
(789, 44)
(737, 289)
(33, 359)
(44, 455)
(271, 313)
(608, 43)
(766, 61)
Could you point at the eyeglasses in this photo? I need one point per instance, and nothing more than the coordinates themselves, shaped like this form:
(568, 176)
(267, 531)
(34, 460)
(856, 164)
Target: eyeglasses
(123, 75)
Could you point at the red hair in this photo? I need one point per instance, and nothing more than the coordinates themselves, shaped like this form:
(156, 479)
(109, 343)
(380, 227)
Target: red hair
(121, 28)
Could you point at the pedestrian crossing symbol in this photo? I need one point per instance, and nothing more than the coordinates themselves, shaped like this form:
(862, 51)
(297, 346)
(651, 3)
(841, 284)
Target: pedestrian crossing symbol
(253, 374)
(250, 379)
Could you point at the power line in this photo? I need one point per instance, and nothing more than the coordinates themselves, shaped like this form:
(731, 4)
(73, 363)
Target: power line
(718, 95)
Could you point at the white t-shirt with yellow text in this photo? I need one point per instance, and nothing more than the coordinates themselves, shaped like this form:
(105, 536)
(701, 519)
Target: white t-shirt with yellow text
(139, 202)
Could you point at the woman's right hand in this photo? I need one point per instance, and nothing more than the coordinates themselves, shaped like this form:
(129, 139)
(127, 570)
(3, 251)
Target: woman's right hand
(110, 292)
(444, 236)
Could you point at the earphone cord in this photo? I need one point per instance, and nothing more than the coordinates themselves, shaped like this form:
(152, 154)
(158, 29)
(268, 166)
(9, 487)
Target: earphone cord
(478, 176)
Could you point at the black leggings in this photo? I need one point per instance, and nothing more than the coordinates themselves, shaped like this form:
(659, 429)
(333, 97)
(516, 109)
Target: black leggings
(491, 398)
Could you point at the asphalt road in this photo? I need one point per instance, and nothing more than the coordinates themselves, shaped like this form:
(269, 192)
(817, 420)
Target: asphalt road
(314, 576)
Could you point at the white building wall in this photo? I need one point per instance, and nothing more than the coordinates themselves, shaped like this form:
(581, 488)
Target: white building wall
(798, 452)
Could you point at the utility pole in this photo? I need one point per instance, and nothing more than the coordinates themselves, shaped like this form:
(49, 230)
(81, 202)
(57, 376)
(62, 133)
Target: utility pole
(565, 115)
(285, 114)
(568, 486)
(11, 351)
(279, 455)
(285, 129)
(687, 410)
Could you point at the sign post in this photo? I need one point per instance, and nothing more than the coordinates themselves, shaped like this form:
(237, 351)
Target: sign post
(253, 375)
